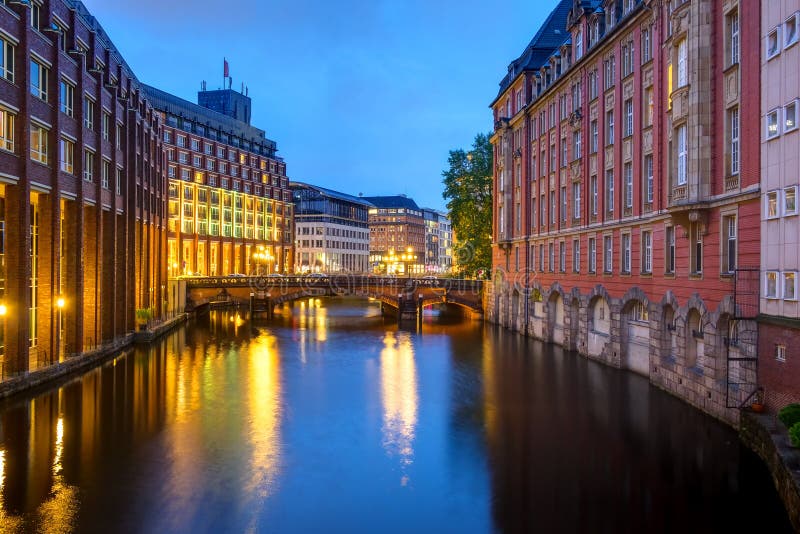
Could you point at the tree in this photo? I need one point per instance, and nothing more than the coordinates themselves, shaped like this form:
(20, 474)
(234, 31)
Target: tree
(468, 190)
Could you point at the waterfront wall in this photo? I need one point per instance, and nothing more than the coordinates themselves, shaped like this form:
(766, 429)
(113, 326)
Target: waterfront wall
(683, 348)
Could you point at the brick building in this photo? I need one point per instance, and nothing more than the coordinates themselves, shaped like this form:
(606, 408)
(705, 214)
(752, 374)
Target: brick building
(627, 195)
(396, 235)
(229, 196)
(779, 321)
(82, 187)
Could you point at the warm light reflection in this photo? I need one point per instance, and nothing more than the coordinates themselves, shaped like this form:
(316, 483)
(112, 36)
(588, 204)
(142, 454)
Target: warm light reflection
(58, 514)
(399, 396)
(265, 407)
(8, 523)
(488, 371)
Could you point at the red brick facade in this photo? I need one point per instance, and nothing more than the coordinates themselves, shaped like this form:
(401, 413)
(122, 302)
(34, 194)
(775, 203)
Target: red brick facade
(575, 137)
(107, 208)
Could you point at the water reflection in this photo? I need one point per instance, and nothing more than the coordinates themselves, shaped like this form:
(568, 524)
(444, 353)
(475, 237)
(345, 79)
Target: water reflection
(332, 419)
(399, 396)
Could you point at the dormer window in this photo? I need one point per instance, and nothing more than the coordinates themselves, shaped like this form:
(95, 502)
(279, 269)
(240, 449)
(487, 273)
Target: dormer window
(610, 15)
(578, 45)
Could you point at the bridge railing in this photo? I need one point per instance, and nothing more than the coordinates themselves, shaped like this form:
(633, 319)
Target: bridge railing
(339, 283)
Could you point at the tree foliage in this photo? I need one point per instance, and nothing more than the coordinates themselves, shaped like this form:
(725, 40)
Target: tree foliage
(468, 190)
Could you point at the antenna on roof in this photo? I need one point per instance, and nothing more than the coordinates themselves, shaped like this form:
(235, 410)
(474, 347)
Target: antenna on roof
(203, 85)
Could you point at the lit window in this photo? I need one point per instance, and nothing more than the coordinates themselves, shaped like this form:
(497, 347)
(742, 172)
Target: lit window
(773, 126)
(790, 201)
(789, 285)
(771, 284)
(790, 117)
(6, 130)
(771, 207)
(39, 144)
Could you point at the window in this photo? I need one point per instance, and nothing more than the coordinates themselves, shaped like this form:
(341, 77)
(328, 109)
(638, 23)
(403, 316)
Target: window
(543, 210)
(171, 171)
(628, 117)
(780, 353)
(627, 59)
(790, 201)
(563, 152)
(683, 155)
(696, 239)
(773, 126)
(628, 169)
(562, 256)
(106, 126)
(66, 149)
(195, 144)
(39, 75)
(35, 15)
(669, 264)
(593, 85)
(683, 66)
(105, 171)
(608, 263)
(576, 256)
(118, 135)
(553, 158)
(789, 285)
(119, 181)
(39, 144)
(182, 141)
(610, 127)
(593, 128)
(541, 258)
(88, 165)
(647, 252)
(790, 117)
(647, 102)
(608, 73)
(576, 200)
(647, 53)
(552, 207)
(790, 30)
(772, 205)
(578, 45)
(564, 203)
(551, 257)
(773, 43)
(610, 190)
(7, 59)
(6, 130)
(593, 194)
(732, 22)
(771, 285)
(648, 177)
(592, 255)
(610, 12)
(576, 145)
(733, 129)
(500, 218)
(88, 113)
(729, 244)
(626, 253)
(67, 98)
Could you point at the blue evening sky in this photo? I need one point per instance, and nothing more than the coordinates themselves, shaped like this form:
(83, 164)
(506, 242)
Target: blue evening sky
(362, 96)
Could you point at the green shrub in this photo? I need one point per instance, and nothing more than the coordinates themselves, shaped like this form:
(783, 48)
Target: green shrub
(794, 435)
(790, 415)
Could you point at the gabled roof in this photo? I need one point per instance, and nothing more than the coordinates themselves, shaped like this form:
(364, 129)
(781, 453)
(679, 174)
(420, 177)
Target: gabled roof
(394, 201)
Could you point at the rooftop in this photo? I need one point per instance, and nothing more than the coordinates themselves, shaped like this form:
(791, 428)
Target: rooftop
(393, 201)
(331, 193)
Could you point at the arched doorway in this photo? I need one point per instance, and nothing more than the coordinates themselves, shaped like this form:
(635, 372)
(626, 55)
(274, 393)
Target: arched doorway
(555, 318)
(694, 340)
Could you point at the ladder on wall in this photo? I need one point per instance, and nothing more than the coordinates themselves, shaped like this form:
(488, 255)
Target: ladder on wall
(741, 343)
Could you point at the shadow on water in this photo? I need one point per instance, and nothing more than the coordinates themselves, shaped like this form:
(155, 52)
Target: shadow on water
(333, 418)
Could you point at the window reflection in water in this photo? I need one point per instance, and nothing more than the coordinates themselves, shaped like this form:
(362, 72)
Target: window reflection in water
(400, 398)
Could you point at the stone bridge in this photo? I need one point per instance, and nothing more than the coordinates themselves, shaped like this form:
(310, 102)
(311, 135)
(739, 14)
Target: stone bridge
(392, 291)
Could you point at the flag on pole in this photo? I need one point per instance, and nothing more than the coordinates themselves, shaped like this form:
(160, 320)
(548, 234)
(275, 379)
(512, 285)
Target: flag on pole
(225, 70)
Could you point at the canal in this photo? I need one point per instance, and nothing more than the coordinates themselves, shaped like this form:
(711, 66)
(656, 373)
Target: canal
(332, 419)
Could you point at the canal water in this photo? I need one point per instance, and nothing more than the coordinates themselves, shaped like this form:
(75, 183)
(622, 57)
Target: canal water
(332, 419)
